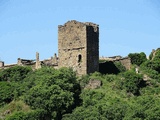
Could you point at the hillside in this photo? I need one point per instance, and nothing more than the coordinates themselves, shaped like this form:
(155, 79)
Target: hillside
(49, 93)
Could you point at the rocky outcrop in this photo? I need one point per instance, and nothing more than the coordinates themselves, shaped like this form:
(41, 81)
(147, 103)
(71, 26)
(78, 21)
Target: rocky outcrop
(93, 84)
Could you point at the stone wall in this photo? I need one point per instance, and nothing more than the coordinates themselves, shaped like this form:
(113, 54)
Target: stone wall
(8, 66)
(154, 52)
(125, 61)
(35, 64)
(78, 46)
(113, 58)
(92, 48)
(1, 64)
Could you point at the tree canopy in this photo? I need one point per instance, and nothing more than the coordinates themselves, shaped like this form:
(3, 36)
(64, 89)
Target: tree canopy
(59, 94)
(137, 58)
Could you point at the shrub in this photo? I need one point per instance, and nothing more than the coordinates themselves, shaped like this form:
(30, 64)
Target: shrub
(6, 92)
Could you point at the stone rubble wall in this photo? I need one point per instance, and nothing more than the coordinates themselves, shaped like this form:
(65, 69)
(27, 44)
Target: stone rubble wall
(125, 61)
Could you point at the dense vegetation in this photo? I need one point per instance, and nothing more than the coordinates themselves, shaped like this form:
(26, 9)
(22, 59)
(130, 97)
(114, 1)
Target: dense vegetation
(47, 93)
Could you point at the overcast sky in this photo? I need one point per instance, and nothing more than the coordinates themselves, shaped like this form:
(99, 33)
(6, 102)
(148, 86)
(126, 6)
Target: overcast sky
(30, 26)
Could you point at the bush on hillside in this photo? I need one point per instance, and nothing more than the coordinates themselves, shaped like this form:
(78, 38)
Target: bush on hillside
(137, 58)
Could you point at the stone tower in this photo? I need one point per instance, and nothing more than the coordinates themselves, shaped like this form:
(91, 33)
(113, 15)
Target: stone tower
(78, 46)
(1, 64)
(38, 64)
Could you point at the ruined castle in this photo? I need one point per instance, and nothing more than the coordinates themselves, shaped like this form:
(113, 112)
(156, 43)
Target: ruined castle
(78, 48)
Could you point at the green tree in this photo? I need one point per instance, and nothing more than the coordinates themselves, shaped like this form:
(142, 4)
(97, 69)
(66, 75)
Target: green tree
(132, 82)
(137, 58)
(16, 73)
(55, 91)
(31, 115)
(144, 108)
(97, 106)
(15, 77)
(6, 92)
(152, 67)
(156, 61)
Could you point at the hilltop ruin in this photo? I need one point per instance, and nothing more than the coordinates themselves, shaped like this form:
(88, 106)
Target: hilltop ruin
(78, 48)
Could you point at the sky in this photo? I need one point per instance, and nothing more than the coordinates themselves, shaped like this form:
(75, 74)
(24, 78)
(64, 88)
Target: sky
(30, 26)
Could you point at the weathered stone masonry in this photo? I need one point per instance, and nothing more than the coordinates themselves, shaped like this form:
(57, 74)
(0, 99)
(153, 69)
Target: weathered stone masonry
(78, 46)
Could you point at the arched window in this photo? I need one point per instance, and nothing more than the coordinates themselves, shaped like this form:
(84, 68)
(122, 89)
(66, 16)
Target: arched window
(79, 58)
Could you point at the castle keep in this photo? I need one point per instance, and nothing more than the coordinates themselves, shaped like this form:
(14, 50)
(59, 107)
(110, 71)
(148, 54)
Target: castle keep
(78, 46)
